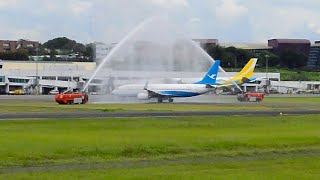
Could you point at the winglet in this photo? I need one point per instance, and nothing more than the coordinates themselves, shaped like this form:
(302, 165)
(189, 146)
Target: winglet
(145, 86)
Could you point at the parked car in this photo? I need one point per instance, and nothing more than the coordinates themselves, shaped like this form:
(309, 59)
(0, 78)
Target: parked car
(54, 91)
(273, 91)
(17, 92)
(11, 92)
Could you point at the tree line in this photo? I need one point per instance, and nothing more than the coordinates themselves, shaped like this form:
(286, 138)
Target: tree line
(232, 57)
(51, 50)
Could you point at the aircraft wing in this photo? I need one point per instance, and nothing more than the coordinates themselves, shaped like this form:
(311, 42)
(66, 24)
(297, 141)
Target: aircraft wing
(155, 94)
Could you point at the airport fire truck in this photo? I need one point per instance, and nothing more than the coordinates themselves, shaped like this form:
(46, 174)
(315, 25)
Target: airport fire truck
(70, 97)
(250, 97)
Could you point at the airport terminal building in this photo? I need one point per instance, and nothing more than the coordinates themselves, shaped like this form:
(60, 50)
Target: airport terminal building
(16, 75)
(51, 75)
(60, 76)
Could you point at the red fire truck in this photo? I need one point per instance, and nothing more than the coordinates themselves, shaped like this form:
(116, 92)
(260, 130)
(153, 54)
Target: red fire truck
(250, 97)
(71, 98)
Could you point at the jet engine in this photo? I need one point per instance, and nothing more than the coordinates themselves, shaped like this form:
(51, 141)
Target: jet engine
(143, 96)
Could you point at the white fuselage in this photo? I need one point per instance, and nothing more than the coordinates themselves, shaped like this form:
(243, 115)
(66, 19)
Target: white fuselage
(173, 90)
(220, 80)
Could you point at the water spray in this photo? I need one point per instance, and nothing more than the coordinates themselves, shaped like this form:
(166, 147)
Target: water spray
(115, 49)
(220, 68)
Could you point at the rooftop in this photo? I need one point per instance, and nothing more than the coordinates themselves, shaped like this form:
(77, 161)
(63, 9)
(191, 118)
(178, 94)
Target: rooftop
(288, 41)
(246, 45)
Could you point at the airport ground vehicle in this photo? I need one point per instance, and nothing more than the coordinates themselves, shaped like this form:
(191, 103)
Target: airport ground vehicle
(54, 91)
(250, 97)
(17, 92)
(71, 98)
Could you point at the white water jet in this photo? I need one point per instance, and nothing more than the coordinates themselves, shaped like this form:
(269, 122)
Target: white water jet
(206, 54)
(158, 42)
(118, 46)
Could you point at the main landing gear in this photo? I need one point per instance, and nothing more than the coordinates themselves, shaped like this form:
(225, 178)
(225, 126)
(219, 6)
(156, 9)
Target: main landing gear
(160, 100)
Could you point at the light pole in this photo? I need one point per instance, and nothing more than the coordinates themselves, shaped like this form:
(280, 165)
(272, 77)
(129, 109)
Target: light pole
(267, 81)
(37, 80)
(70, 79)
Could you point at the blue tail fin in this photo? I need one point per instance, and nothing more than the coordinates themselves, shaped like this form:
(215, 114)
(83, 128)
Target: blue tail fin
(211, 75)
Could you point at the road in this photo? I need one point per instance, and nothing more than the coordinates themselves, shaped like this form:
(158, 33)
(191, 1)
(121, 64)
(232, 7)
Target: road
(115, 99)
(205, 99)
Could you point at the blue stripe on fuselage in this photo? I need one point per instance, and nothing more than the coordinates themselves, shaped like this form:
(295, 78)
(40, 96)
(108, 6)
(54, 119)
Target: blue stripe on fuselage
(178, 93)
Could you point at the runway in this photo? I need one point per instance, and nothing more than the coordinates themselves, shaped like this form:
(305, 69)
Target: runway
(108, 99)
(111, 99)
(207, 98)
(143, 114)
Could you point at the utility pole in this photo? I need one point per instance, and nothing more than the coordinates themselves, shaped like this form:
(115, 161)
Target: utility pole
(267, 81)
(37, 80)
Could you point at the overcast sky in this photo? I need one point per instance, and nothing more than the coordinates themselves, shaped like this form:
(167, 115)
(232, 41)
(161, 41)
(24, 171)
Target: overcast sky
(110, 20)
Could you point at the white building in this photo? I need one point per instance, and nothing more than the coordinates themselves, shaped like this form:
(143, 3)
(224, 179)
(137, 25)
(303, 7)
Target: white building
(51, 75)
(102, 50)
(63, 75)
(295, 86)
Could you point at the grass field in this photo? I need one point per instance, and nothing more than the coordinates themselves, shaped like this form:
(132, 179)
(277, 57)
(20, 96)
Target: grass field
(291, 74)
(269, 103)
(293, 100)
(272, 168)
(191, 147)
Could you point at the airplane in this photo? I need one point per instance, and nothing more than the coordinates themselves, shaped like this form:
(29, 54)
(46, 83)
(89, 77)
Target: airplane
(170, 91)
(244, 76)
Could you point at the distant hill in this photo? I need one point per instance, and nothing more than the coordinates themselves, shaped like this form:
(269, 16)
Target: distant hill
(64, 44)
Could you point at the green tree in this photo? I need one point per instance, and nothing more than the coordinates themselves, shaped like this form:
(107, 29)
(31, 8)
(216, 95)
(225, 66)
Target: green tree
(273, 60)
(242, 56)
(228, 60)
(20, 55)
(78, 47)
(53, 54)
(62, 43)
(90, 52)
(215, 51)
(67, 46)
(230, 56)
(292, 59)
